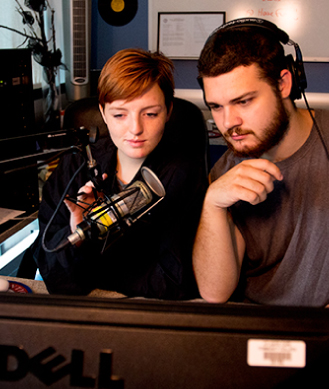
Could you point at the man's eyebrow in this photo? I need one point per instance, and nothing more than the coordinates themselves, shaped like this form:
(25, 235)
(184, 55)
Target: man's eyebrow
(244, 96)
(235, 100)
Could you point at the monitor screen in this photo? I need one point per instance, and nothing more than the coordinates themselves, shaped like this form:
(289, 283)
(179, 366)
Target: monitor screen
(17, 122)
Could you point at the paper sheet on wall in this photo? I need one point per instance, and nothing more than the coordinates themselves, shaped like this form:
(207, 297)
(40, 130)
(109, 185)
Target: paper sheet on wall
(182, 35)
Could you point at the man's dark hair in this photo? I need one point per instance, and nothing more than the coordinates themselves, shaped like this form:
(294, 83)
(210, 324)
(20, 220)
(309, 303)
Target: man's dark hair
(229, 48)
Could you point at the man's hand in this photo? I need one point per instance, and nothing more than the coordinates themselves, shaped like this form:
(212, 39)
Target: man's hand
(250, 181)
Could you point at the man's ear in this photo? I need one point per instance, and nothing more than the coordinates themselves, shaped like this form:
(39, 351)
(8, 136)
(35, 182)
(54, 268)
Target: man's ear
(285, 83)
(170, 111)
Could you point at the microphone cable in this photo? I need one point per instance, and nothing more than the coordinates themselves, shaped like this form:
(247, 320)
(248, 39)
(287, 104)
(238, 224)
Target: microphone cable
(43, 240)
(318, 129)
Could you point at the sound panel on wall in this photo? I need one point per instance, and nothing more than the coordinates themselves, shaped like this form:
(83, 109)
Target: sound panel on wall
(77, 43)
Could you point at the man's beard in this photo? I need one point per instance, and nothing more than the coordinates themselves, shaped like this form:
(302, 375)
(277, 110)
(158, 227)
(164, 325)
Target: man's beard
(273, 134)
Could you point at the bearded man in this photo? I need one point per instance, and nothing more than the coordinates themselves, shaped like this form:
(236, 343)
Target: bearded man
(263, 233)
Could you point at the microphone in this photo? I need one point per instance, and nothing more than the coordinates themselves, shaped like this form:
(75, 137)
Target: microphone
(113, 214)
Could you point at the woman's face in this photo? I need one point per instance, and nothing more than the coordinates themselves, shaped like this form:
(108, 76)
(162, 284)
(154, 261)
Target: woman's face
(136, 127)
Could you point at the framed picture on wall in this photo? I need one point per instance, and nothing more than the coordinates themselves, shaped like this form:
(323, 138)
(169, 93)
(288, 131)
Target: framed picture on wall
(181, 35)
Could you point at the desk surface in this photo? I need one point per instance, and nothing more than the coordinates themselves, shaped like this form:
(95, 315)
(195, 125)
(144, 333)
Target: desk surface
(10, 227)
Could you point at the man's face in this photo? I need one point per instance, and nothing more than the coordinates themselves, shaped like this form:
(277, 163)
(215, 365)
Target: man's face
(246, 110)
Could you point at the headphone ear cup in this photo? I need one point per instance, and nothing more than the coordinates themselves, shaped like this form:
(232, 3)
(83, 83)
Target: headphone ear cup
(299, 82)
(295, 92)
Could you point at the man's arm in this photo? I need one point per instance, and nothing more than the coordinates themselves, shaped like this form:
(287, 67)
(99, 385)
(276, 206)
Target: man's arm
(217, 254)
(219, 246)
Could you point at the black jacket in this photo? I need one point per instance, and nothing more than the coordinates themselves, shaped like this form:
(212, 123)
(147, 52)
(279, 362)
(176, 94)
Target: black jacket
(152, 258)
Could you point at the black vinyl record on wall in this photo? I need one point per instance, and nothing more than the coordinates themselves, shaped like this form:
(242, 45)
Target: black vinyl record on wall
(117, 12)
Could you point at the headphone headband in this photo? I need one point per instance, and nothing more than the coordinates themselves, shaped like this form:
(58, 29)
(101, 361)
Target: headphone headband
(256, 22)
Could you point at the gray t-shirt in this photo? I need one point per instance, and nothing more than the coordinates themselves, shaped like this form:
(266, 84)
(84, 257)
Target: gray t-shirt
(287, 236)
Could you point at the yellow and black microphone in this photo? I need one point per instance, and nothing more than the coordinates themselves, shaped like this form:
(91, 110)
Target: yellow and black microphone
(120, 210)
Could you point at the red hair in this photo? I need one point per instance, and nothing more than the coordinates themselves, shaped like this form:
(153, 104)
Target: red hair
(132, 72)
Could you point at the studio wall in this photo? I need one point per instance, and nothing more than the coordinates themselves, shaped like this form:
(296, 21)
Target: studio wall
(107, 40)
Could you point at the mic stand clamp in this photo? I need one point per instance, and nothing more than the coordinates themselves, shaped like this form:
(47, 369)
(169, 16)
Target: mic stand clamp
(94, 171)
(88, 137)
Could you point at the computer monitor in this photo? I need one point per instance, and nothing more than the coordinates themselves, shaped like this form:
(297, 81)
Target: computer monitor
(17, 126)
(17, 116)
(66, 342)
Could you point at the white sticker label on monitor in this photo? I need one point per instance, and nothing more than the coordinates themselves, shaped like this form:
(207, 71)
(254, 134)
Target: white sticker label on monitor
(276, 353)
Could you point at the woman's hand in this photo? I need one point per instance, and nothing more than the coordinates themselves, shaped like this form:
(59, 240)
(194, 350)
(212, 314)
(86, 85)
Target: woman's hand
(85, 198)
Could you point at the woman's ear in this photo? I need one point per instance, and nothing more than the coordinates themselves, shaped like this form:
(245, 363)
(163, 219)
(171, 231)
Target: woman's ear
(285, 83)
(102, 112)
(169, 111)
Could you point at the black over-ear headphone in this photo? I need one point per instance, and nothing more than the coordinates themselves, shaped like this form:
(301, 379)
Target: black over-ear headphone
(296, 67)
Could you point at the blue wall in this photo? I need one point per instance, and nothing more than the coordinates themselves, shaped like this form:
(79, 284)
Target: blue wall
(107, 40)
